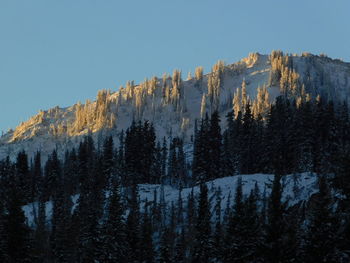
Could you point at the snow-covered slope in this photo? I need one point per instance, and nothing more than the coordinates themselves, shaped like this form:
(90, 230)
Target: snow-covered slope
(296, 188)
(173, 105)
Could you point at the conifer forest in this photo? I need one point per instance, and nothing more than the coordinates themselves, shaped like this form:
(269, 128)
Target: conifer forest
(87, 206)
(174, 131)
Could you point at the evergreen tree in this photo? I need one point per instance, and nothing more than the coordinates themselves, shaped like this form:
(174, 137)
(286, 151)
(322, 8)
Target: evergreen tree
(36, 184)
(115, 249)
(190, 219)
(53, 175)
(17, 232)
(276, 240)
(86, 219)
(133, 227)
(218, 231)
(321, 241)
(146, 249)
(107, 161)
(41, 235)
(180, 248)
(164, 154)
(23, 177)
(200, 165)
(246, 140)
(3, 235)
(61, 219)
(164, 249)
(230, 155)
(234, 232)
(202, 242)
(215, 147)
(177, 163)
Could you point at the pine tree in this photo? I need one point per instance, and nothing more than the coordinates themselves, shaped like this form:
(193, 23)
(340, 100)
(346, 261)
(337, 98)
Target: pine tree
(215, 147)
(179, 216)
(36, 184)
(17, 232)
(53, 174)
(180, 248)
(41, 235)
(120, 160)
(247, 141)
(114, 234)
(3, 237)
(275, 228)
(23, 177)
(107, 161)
(60, 224)
(199, 73)
(133, 226)
(200, 165)
(164, 156)
(321, 240)
(251, 228)
(202, 242)
(140, 149)
(190, 219)
(203, 106)
(306, 130)
(157, 165)
(146, 242)
(234, 234)
(218, 231)
(164, 249)
(86, 219)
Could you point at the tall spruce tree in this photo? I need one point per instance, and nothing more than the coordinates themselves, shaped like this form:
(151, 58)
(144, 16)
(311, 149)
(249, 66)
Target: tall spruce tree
(107, 162)
(321, 240)
(146, 242)
(200, 165)
(214, 147)
(203, 241)
(133, 226)
(274, 250)
(17, 232)
(115, 247)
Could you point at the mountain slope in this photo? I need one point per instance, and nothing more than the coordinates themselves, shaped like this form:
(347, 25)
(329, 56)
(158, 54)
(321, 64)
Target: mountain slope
(296, 188)
(173, 105)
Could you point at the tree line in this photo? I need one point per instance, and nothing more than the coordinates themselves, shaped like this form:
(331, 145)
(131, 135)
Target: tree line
(107, 224)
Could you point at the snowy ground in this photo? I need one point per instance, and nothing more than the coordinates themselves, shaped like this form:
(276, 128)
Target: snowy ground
(296, 188)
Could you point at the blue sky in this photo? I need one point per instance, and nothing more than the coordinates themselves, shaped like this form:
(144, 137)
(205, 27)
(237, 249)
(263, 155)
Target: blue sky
(60, 52)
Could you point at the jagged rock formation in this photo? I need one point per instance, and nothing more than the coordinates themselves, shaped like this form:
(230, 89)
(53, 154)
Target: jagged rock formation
(173, 104)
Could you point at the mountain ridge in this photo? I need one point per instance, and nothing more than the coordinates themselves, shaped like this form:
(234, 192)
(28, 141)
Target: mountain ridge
(173, 104)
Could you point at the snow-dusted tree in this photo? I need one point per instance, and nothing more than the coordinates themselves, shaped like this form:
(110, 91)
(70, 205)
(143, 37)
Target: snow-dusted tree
(219, 67)
(152, 85)
(199, 73)
(189, 76)
(261, 104)
(203, 105)
(177, 90)
(214, 90)
(237, 102)
(199, 78)
(130, 87)
(139, 100)
(244, 94)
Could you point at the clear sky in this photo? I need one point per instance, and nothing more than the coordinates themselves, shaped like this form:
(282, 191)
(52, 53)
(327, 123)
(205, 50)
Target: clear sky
(60, 52)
